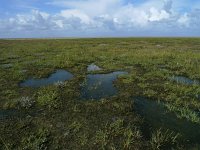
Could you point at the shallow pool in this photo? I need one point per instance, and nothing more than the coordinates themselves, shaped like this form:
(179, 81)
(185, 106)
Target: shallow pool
(156, 116)
(58, 76)
(99, 86)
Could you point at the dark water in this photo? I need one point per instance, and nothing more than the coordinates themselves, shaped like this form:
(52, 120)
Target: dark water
(99, 86)
(93, 67)
(8, 114)
(184, 80)
(59, 75)
(156, 116)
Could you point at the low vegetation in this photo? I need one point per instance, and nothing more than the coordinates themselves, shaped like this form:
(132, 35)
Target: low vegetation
(55, 116)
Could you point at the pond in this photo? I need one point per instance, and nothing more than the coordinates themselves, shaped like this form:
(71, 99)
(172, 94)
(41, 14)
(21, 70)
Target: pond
(184, 80)
(58, 76)
(156, 115)
(8, 114)
(99, 86)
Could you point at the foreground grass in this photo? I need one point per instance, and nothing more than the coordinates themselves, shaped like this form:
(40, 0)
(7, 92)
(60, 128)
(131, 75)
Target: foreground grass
(54, 117)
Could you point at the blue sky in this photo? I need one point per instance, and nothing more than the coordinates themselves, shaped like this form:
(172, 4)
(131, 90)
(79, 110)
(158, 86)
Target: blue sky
(98, 18)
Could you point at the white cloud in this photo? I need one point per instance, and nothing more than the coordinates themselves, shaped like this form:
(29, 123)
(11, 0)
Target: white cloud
(184, 20)
(101, 16)
(34, 20)
(74, 13)
(91, 7)
(156, 15)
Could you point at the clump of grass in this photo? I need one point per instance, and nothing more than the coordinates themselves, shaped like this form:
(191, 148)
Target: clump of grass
(36, 141)
(10, 104)
(164, 139)
(150, 93)
(184, 112)
(101, 138)
(10, 97)
(75, 126)
(83, 139)
(130, 137)
(129, 78)
(4, 144)
(48, 97)
(26, 102)
(118, 136)
(60, 84)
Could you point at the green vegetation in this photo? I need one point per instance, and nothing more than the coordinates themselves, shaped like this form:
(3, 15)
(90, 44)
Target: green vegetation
(48, 97)
(55, 117)
(183, 112)
(163, 139)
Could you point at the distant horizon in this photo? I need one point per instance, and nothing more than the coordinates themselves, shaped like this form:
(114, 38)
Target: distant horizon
(104, 37)
(99, 18)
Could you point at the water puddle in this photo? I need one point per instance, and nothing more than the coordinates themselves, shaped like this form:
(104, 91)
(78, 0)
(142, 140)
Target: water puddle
(157, 116)
(58, 76)
(99, 86)
(184, 80)
(8, 114)
(93, 67)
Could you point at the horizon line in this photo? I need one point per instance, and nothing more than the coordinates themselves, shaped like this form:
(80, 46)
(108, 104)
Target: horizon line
(98, 37)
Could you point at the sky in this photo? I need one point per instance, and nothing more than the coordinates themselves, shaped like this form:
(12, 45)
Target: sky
(99, 18)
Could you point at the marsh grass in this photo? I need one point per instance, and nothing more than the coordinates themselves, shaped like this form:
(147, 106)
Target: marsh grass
(163, 139)
(129, 137)
(36, 141)
(184, 112)
(91, 123)
(48, 96)
(4, 144)
(25, 102)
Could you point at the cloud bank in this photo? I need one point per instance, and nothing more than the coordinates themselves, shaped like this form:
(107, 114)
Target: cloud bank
(104, 18)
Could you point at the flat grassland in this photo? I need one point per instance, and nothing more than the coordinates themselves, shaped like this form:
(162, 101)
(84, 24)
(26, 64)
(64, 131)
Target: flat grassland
(157, 105)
